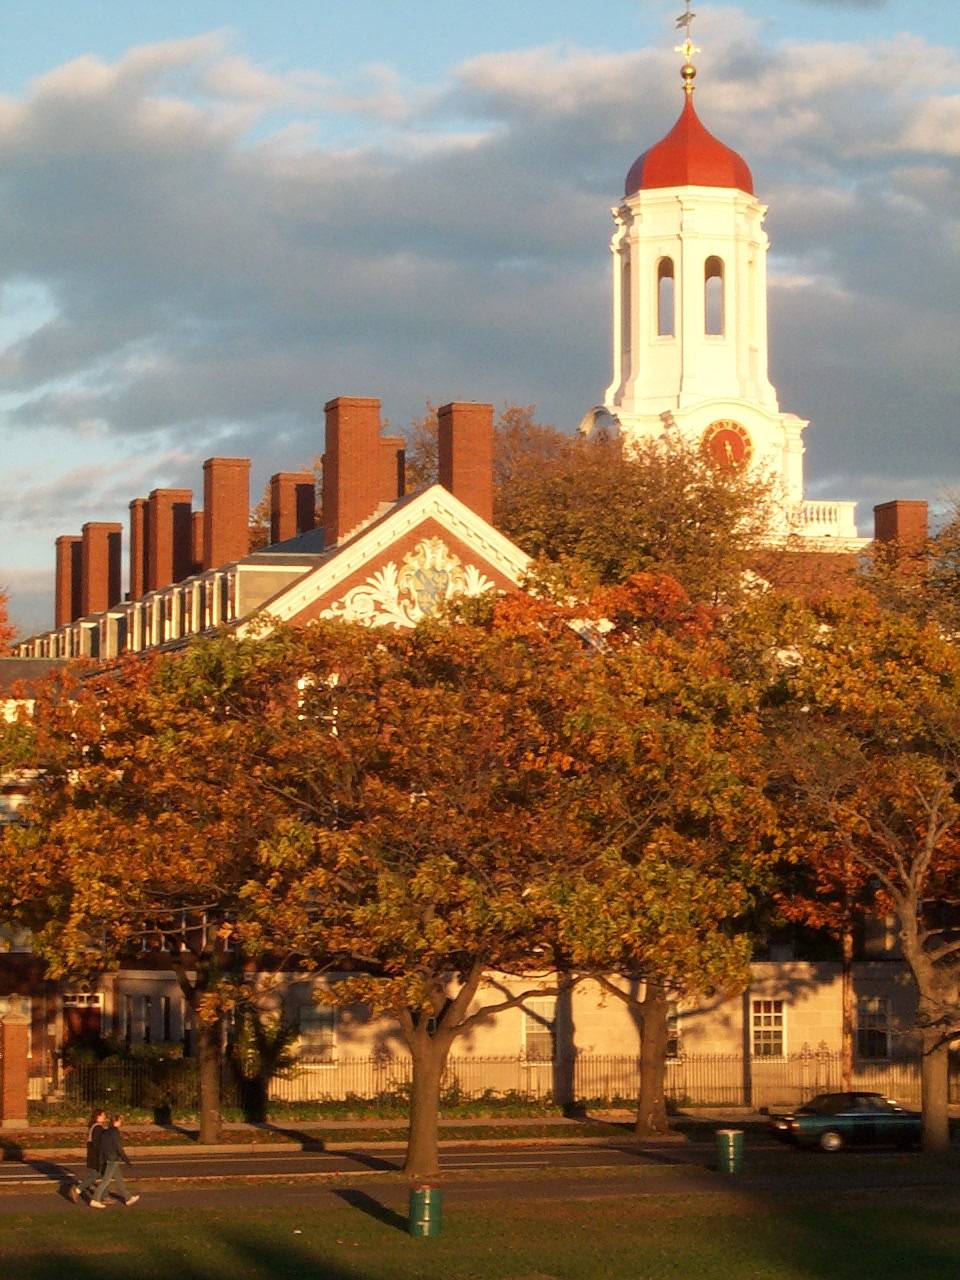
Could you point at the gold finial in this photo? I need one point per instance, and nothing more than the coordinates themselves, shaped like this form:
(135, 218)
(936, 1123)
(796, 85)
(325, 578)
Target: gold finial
(688, 48)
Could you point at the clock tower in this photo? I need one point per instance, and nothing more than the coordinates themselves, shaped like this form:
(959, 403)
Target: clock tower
(690, 317)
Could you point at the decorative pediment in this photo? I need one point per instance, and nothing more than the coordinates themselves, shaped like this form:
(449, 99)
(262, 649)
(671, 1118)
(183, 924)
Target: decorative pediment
(403, 595)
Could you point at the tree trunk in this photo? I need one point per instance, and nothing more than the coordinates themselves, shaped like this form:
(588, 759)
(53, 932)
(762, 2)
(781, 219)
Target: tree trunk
(429, 1060)
(209, 1060)
(846, 1028)
(934, 1086)
(651, 1103)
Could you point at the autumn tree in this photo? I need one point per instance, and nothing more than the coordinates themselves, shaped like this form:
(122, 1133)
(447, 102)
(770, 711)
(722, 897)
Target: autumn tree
(7, 629)
(430, 801)
(142, 831)
(867, 714)
(684, 834)
(601, 513)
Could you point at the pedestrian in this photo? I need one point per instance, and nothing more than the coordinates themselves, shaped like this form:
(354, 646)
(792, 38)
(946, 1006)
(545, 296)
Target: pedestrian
(94, 1168)
(112, 1154)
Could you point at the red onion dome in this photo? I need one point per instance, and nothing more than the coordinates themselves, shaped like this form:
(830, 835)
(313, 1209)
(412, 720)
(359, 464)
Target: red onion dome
(689, 156)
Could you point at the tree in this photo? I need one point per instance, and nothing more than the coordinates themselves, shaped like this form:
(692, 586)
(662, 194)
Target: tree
(142, 831)
(7, 629)
(430, 802)
(594, 514)
(685, 834)
(867, 724)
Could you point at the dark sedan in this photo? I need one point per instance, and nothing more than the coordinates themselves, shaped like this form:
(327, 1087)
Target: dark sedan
(831, 1121)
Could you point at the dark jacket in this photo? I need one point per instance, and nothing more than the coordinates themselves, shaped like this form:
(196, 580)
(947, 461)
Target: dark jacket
(94, 1144)
(111, 1146)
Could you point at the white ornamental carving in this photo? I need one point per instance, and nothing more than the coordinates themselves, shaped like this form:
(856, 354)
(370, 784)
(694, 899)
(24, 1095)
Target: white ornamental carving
(428, 576)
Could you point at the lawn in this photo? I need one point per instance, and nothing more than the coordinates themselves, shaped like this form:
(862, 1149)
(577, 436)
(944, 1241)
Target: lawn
(882, 1235)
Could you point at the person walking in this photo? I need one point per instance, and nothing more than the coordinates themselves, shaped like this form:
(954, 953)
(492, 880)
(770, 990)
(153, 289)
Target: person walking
(112, 1154)
(98, 1124)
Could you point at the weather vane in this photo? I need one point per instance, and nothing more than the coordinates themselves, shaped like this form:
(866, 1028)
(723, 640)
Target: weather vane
(688, 48)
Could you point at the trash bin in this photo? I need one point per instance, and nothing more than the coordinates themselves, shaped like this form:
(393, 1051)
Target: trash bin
(730, 1150)
(426, 1206)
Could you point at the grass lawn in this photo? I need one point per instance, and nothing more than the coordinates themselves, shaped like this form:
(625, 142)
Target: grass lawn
(880, 1235)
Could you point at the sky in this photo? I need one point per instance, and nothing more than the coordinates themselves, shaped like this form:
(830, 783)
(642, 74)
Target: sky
(215, 215)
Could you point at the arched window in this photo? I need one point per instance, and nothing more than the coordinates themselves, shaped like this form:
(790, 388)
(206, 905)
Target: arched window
(666, 299)
(713, 297)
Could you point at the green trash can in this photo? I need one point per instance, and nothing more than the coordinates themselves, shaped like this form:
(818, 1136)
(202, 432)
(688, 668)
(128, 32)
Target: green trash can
(730, 1150)
(426, 1209)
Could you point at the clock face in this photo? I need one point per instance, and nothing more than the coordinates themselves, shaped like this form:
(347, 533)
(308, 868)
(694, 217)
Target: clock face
(727, 443)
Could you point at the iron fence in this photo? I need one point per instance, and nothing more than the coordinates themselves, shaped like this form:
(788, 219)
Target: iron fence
(691, 1080)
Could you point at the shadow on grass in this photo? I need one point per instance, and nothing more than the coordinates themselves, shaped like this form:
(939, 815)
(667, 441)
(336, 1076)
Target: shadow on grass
(373, 1208)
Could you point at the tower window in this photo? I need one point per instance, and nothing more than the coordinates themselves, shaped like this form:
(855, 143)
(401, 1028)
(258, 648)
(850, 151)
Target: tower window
(713, 297)
(666, 308)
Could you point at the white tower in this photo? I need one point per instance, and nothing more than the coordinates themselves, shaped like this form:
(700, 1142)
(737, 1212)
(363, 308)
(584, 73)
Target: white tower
(690, 316)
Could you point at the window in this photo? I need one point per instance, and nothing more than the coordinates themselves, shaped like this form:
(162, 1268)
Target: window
(540, 1029)
(713, 297)
(673, 1030)
(128, 1019)
(166, 1020)
(767, 1026)
(626, 319)
(873, 1027)
(318, 1032)
(666, 299)
(147, 1023)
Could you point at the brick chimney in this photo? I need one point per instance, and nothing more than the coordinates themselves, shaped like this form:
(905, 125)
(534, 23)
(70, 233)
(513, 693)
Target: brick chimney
(226, 511)
(351, 466)
(465, 455)
(293, 504)
(139, 538)
(100, 566)
(905, 523)
(196, 541)
(393, 465)
(69, 561)
(169, 537)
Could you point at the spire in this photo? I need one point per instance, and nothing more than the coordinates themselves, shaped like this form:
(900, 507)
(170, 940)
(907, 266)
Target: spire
(688, 49)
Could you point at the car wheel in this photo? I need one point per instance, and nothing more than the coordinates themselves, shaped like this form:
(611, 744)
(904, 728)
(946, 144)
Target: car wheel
(831, 1140)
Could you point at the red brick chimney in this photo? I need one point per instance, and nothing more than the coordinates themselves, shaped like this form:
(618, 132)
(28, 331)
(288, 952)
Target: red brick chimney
(226, 511)
(351, 466)
(293, 504)
(393, 460)
(69, 562)
(196, 542)
(905, 523)
(465, 455)
(169, 537)
(139, 538)
(100, 566)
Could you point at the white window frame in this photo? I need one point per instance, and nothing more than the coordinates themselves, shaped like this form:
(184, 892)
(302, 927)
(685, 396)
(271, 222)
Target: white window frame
(768, 1024)
(538, 1018)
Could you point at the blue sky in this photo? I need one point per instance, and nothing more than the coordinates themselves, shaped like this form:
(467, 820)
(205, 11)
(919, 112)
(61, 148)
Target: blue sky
(214, 216)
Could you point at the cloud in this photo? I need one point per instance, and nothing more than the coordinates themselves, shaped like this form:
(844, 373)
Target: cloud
(221, 247)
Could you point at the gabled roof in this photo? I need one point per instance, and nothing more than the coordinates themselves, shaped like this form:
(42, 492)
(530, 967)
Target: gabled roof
(433, 513)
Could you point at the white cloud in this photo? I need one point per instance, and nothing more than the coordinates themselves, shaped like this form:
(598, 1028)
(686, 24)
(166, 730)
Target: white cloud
(214, 248)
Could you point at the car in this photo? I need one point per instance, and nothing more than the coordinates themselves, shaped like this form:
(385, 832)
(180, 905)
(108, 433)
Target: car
(832, 1121)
